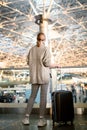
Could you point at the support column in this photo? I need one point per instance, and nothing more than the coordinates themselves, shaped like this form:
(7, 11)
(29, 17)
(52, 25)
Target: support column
(44, 27)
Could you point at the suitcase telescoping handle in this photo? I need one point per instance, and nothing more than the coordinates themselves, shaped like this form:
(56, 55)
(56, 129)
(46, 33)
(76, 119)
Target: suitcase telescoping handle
(61, 73)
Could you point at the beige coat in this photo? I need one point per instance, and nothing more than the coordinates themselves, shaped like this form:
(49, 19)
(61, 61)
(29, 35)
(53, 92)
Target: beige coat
(39, 60)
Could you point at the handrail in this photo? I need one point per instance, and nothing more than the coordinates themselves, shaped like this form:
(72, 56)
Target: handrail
(23, 105)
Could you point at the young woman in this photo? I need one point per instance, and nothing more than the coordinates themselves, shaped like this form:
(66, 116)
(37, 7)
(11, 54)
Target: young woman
(39, 61)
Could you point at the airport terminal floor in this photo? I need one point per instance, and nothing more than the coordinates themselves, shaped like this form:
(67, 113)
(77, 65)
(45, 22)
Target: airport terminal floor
(13, 122)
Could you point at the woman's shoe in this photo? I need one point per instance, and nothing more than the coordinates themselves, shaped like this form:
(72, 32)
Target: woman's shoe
(25, 121)
(42, 122)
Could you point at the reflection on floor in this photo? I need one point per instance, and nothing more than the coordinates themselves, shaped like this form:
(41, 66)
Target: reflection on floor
(13, 122)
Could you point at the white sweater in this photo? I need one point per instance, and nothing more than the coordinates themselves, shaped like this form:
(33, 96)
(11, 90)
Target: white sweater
(39, 60)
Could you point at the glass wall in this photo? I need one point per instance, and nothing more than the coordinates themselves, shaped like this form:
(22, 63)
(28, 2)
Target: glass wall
(76, 82)
(15, 85)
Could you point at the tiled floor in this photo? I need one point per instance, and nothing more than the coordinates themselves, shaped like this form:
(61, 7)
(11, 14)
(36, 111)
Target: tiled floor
(13, 122)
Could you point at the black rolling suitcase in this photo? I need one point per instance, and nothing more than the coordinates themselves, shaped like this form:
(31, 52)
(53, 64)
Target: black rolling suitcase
(62, 107)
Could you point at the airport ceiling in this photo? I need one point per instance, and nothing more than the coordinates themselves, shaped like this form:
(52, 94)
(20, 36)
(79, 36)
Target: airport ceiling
(67, 30)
